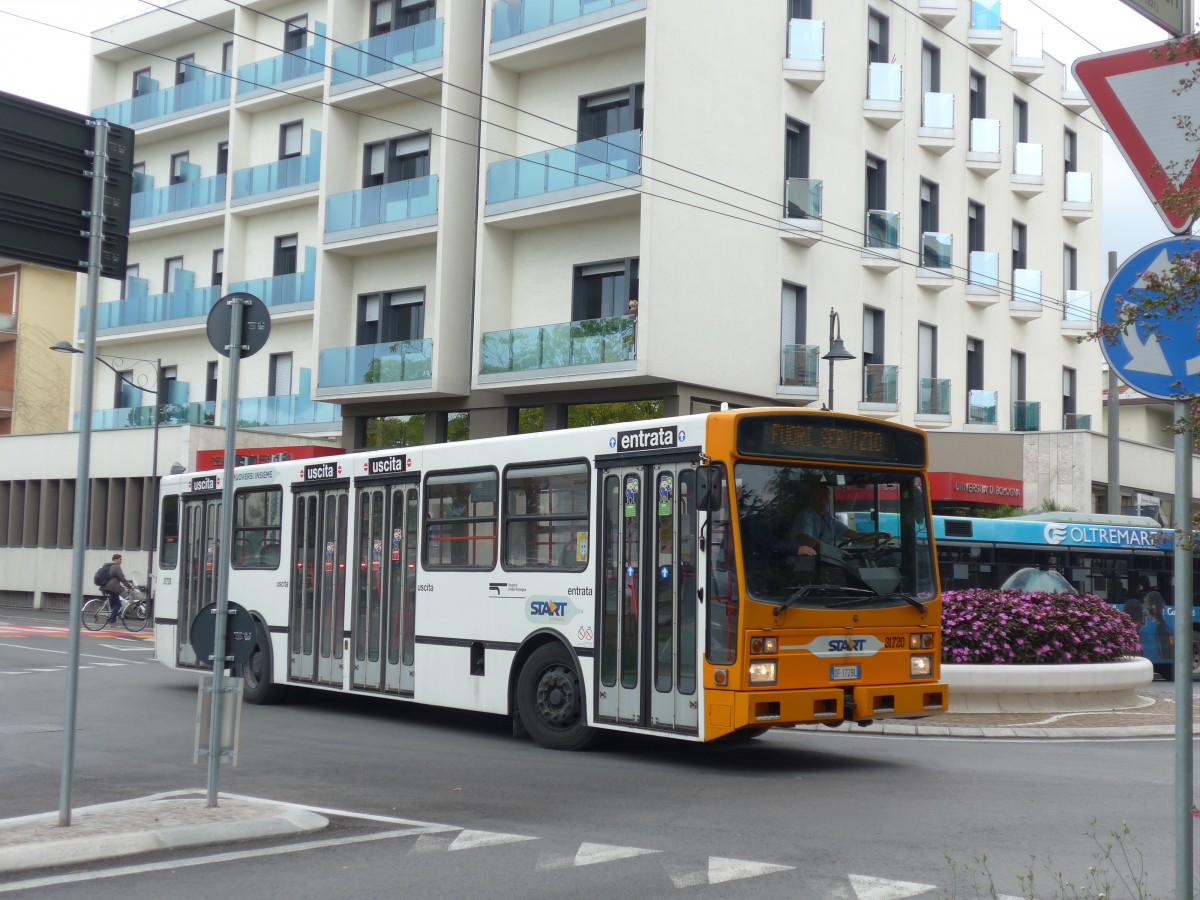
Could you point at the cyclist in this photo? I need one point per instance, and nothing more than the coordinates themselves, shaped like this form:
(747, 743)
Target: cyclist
(112, 587)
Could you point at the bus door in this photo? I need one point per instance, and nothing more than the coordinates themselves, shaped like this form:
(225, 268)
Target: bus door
(385, 586)
(647, 648)
(317, 607)
(200, 531)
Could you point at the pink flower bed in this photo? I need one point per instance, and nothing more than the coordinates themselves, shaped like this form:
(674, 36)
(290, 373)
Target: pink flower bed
(1014, 627)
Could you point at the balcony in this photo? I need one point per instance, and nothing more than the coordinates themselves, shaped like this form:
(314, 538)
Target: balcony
(281, 291)
(1028, 61)
(569, 348)
(1026, 301)
(984, 35)
(8, 327)
(199, 93)
(383, 209)
(143, 416)
(981, 409)
(1077, 196)
(1073, 97)
(802, 221)
(186, 305)
(983, 152)
(516, 22)
(282, 178)
(936, 132)
(399, 365)
(935, 272)
(288, 412)
(1077, 422)
(6, 404)
(882, 249)
(884, 104)
(599, 166)
(1027, 177)
(983, 278)
(933, 400)
(1026, 415)
(805, 62)
(1078, 316)
(798, 365)
(385, 57)
(285, 71)
(880, 384)
(937, 12)
(192, 197)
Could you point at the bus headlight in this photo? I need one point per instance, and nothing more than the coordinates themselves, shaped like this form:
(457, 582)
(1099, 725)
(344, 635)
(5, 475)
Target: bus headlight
(763, 671)
(920, 665)
(920, 641)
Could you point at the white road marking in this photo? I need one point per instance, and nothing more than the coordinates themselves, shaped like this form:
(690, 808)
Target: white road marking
(868, 888)
(469, 840)
(118, 660)
(589, 855)
(720, 869)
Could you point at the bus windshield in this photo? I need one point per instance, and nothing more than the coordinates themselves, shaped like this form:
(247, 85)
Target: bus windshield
(820, 538)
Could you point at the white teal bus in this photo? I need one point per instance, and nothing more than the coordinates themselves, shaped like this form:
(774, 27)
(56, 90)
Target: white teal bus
(576, 581)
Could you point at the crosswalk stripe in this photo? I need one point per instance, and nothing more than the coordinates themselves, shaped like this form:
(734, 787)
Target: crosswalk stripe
(869, 888)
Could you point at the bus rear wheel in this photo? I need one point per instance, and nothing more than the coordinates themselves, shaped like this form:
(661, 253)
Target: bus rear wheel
(256, 672)
(550, 700)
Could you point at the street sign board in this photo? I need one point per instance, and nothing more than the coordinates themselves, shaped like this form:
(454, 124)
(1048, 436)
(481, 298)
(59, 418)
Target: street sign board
(1136, 94)
(46, 187)
(1164, 364)
(256, 324)
(1172, 15)
(240, 634)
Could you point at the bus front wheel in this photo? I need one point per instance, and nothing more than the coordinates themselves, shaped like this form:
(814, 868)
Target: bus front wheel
(256, 672)
(550, 700)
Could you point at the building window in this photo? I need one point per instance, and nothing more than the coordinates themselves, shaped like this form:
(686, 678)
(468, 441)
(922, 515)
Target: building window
(399, 159)
(125, 395)
(794, 325)
(1068, 391)
(460, 520)
(929, 206)
(877, 387)
(210, 383)
(223, 157)
(974, 364)
(877, 37)
(975, 225)
(285, 254)
(291, 139)
(876, 192)
(131, 272)
(1070, 269)
(280, 379)
(977, 96)
(796, 150)
(1019, 249)
(295, 34)
(167, 376)
(603, 290)
(227, 56)
(1020, 121)
(218, 268)
(799, 9)
(1070, 151)
(927, 367)
(186, 68)
(141, 82)
(612, 112)
(391, 316)
(1017, 377)
(171, 266)
(392, 15)
(179, 163)
(931, 69)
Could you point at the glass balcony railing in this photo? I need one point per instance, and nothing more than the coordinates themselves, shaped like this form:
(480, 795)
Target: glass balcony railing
(393, 202)
(279, 175)
(1027, 160)
(138, 308)
(511, 18)
(798, 365)
(177, 199)
(937, 250)
(803, 198)
(603, 159)
(1026, 415)
(806, 39)
(8, 321)
(880, 383)
(937, 110)
(290, 409)
(1077, 306)
(1078, 187)
(981, 407)
(985, 136)
(585, 343)
(386, 53)
(307, 62)
(983, 268)
(934, 397)
(143, 416)
(391, 363)
(1077, 422)
(281, 290)
(1027, 286)
(883, 229)
(884, 82)
(985, 15)
(178, 100)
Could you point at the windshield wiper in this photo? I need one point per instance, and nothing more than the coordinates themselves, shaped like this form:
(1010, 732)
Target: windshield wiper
(911, 601)
(822, 590)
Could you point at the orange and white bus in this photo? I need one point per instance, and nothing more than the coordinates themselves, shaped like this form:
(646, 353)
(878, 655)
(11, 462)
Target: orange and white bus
(642, 577)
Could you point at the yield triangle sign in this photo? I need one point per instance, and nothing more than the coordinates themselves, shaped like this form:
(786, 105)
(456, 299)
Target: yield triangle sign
(1137, 95)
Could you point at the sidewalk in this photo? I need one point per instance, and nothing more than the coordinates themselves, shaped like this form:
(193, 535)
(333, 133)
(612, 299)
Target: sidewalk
(182, 818)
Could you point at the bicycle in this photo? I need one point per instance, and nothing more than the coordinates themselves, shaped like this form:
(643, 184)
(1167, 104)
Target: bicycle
(134, 614)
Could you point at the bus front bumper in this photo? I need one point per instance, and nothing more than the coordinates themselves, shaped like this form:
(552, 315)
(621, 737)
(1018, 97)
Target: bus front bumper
(729, 711)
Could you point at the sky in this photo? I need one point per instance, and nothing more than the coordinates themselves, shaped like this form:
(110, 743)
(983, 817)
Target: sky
(1067, 29)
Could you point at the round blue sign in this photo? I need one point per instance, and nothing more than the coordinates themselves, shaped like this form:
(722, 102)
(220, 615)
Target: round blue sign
(1163, 363)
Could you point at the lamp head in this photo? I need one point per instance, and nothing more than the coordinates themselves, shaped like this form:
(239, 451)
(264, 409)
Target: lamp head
(838, 351)
(64, 347)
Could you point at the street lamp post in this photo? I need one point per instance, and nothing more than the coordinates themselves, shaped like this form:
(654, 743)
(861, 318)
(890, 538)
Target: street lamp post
(114, 364)
(837, 350)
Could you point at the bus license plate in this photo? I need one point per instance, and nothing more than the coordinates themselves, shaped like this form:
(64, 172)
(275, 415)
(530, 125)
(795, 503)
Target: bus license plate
(845, 673)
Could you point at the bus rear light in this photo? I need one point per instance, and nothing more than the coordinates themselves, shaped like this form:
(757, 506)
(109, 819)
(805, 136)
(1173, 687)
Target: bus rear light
(920, 641)
(763, 672)
(920, 665)
(764, 645)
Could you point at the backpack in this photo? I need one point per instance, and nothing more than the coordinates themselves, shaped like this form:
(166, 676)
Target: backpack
(100, 579)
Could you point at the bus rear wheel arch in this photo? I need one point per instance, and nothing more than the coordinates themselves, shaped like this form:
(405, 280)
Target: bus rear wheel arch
(255, 672)
(550, 699)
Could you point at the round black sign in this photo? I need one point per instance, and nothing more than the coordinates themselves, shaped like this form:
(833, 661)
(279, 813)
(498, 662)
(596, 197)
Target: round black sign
(239, 634)
(256, 324)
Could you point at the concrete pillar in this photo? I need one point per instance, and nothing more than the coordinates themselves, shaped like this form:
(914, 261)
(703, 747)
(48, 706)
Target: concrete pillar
(435, 428)
(495, 421)
(554, 417)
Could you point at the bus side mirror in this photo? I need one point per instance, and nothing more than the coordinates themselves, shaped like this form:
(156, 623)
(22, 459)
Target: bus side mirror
(708, 488)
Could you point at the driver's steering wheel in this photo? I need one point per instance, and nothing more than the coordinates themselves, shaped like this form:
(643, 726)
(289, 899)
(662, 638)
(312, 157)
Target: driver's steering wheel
(871, 541)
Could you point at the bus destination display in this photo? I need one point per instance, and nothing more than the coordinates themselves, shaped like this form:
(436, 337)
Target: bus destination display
(825, 439)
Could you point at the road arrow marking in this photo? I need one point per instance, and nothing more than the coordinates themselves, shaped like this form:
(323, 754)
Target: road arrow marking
(589, 855)
(868, 888)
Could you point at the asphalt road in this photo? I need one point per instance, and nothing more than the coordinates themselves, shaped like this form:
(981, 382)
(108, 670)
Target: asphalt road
(793, 814)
